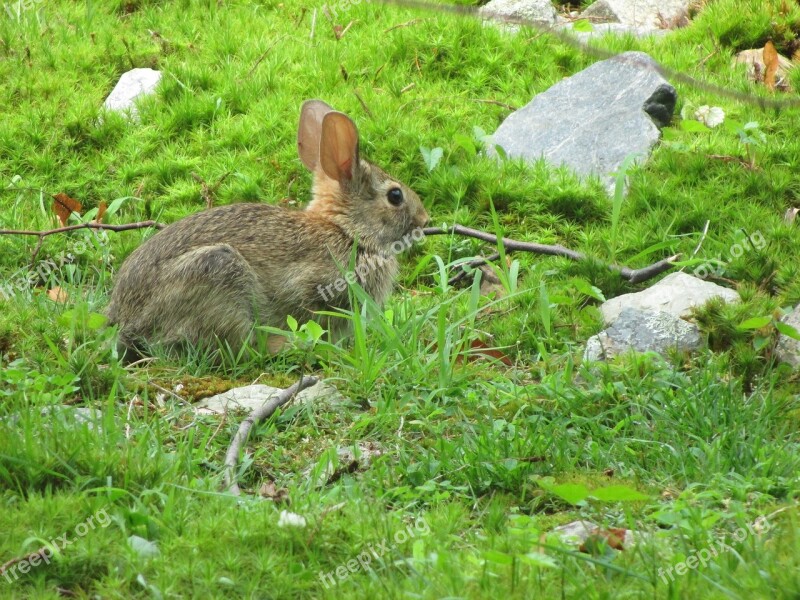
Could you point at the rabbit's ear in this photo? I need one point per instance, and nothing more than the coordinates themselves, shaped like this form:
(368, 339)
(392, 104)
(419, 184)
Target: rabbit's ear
(309, 131)
(338, 147)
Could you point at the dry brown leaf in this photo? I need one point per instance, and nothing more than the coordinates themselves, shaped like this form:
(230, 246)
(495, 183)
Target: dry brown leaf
(56, 294)
(770, 55)
(270, 491)
(614, 537)
(64, 206)
(101, 210)
(481, 349)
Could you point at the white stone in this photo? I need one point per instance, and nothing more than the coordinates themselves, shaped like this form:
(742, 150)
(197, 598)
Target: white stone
(676, 294)
(517, 12)
(643, 331)
(251, 397)
(788, 349)
(132, 85)
(639, 13)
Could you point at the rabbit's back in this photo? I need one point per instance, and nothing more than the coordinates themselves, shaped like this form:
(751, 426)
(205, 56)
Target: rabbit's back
(203, 274)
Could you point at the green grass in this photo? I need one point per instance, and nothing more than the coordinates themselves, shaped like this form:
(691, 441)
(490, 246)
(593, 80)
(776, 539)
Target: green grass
(479, 460)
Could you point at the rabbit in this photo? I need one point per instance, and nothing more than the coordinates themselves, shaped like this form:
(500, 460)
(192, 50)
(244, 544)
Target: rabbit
(214, 275)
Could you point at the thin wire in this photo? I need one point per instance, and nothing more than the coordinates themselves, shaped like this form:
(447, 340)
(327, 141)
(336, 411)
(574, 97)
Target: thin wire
(569, 39)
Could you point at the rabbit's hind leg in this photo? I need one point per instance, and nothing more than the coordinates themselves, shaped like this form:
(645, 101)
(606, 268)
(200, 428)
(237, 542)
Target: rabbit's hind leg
(207, 296)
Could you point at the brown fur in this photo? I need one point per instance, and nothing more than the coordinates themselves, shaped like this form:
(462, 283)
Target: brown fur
(213, 275)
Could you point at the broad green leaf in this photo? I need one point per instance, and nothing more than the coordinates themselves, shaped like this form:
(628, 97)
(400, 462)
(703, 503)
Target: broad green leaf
(754, 323)
(96, 321)
(574, 493)
(431, 157)
(498, 557)
(539, 560)
(693, 126)
(582, 25)
(787, 330)
(462, 141)
(618, 493)
(587, 289)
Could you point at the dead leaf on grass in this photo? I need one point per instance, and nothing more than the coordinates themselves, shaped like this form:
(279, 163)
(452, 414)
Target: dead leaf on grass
(771, 62)
(791, 214)
(614, 537)
(101, 211)
(64, 206)
(56, 294)
(270, 491)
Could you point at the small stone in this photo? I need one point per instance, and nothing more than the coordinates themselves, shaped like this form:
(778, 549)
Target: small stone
(640, 13)
(513, 13)
(788, 349)
(252, 397)
(677, 294)
(643, 331)
(132, 85)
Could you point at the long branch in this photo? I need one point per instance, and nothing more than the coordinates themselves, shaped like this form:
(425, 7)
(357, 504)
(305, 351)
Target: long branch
(632, 275)
(255, 417)
(124, 227)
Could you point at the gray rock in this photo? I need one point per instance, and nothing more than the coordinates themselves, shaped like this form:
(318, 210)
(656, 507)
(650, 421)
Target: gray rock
(132, 85)
(515, 12)
(638, 13)
(591, 121)
(643, 331)
(676, 294)
(788, 349)
(576, 532)
(76, 416)
(251, 397)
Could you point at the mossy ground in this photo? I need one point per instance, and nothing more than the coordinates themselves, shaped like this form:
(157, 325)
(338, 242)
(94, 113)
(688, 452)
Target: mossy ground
(472, 450)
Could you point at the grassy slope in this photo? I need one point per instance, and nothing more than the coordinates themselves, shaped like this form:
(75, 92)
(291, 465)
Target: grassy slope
(711, 440)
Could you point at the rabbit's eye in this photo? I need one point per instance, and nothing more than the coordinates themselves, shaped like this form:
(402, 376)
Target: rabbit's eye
(395, 196)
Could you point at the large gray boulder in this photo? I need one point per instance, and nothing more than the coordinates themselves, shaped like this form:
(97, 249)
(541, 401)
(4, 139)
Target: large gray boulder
(593, 120)
(638, 13)
(643, 331)
(676, 294)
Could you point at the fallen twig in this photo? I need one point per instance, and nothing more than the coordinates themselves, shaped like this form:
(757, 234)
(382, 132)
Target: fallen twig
(495, 102)
(255, 417)
(124, 227)
(631, 275)
(264, 55)
(406, 24)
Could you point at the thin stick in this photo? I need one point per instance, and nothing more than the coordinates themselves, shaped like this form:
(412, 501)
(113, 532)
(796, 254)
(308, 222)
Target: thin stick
(125, 227)
(313, 24)
(264, 55)
(363, 104)
(255, 417)
(631, 275)
(495, 102)
(406, 24)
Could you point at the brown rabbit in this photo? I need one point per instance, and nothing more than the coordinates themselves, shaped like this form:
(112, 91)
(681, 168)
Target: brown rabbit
(212, 276)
